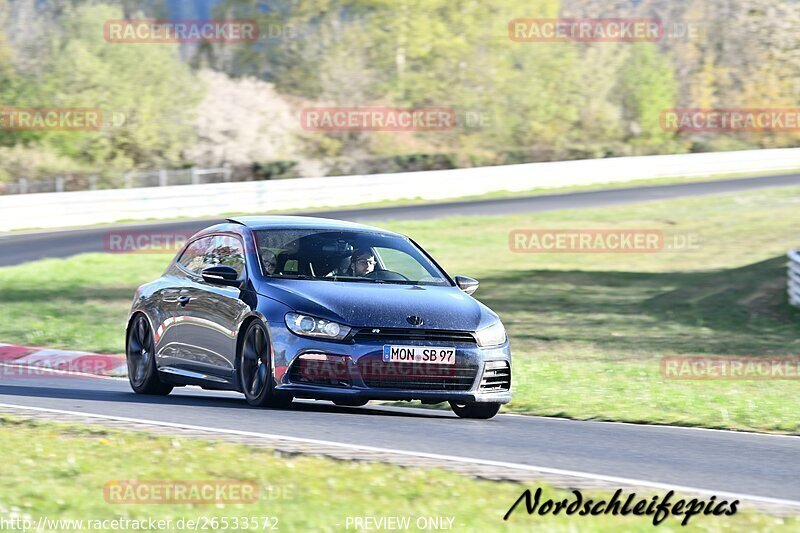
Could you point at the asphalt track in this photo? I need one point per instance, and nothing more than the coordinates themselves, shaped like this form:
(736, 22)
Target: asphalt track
(761, 466)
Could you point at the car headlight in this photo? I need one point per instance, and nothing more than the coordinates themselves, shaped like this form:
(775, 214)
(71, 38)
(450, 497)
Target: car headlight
(494, 335)
(309, 326)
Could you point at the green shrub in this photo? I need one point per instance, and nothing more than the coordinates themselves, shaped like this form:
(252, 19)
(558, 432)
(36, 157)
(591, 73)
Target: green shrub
(275, 170)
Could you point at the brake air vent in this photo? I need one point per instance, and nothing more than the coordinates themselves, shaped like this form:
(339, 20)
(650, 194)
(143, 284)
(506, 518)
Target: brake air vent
(496, 377)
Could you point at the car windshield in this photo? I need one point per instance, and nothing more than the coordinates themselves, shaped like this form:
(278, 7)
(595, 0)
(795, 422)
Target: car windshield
(352, 256)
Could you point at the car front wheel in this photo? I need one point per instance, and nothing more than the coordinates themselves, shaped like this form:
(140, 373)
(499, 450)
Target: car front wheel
(481, 411)
(255, 370)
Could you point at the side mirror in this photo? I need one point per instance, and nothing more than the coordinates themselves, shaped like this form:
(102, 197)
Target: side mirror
(466, 284)
(222, 275)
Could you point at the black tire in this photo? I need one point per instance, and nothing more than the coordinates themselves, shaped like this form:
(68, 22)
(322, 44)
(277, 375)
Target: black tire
(140, 354)
(351, 403)
(482, 411)
(254, 369)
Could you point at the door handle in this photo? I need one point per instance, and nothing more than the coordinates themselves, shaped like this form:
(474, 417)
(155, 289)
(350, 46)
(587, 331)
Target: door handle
(183, 300)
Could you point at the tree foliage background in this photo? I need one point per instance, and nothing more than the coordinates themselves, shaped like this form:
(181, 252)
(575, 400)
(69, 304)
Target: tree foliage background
(170, 105)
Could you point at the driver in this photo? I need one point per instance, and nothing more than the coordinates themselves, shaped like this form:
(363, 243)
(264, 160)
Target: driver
(269, 261)
(362, 262)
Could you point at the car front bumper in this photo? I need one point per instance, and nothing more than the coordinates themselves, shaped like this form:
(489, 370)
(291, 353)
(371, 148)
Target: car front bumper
(356, 386)
(330, 393)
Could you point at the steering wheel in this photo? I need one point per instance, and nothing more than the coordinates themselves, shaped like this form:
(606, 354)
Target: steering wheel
(387, 275)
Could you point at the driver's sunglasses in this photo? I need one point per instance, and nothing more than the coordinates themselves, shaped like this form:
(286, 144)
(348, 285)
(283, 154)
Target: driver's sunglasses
(366, 262)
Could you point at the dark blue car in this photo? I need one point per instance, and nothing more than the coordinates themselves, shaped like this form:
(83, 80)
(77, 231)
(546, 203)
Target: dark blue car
(295, 307)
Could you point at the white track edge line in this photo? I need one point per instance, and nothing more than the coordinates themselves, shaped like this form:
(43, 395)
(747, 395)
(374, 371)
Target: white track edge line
(466, 460)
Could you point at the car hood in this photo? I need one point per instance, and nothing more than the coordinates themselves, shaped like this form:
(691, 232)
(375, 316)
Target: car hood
(382, 305)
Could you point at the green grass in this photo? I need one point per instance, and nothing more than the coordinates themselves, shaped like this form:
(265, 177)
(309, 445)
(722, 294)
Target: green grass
(79, 303)
(587, 330)
(58, 471)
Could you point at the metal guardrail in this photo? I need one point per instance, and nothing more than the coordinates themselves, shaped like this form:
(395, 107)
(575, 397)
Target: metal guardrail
(793, 274)
(129, 180)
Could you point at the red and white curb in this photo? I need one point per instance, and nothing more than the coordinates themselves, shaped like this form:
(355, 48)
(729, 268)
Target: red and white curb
(27, 360)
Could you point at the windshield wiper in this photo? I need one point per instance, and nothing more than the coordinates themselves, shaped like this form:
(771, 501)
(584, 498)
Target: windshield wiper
(348, 278)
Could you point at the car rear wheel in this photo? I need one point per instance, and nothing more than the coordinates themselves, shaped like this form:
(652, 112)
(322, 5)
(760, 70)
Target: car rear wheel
(481, 411)
(255, 370)
(141, 357)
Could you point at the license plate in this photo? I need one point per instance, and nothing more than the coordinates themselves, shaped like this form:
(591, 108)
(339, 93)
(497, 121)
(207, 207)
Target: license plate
(419, 354)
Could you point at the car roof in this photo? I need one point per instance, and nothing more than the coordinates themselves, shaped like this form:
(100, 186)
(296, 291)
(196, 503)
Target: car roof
(299, 222)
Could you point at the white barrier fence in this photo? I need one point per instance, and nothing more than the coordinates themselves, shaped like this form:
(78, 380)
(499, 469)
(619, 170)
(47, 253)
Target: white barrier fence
(50, 210)
(794, 278)
(152, 178)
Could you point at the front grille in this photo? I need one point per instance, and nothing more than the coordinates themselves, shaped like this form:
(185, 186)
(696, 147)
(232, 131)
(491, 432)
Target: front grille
(411, 334)
(496, 377)
(378, 374)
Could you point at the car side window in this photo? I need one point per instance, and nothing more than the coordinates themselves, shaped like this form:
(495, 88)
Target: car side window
(227, 251)
(193, 258)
